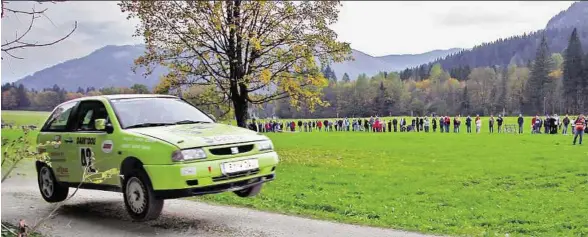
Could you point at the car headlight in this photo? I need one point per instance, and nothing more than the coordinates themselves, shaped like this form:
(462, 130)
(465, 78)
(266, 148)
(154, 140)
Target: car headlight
(189, 154)
(265, 145)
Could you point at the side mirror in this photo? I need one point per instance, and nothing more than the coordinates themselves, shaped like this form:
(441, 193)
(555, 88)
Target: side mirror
(100, 124)
(212, 117)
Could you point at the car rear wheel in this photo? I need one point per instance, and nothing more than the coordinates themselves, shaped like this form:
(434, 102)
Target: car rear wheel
(140, 200)
(50, 189)
(249, 192)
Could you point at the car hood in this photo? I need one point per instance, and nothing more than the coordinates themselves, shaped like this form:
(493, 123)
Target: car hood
(199, 135)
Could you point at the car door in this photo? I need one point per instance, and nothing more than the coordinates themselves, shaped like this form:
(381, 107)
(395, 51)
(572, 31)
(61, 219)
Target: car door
(56, 126)
(90, 142)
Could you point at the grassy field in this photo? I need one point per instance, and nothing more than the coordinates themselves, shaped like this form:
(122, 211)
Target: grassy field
(456, 184)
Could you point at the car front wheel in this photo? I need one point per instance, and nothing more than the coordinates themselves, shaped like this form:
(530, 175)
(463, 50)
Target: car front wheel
(50, 189)
(140, 201)
(249, 192)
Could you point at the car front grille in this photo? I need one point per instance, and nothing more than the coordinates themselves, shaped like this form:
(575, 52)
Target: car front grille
(227, 150)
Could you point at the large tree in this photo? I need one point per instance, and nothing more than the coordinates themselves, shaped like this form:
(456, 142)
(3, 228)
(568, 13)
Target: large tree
(252, 52)
(536, 91)
(572, 74)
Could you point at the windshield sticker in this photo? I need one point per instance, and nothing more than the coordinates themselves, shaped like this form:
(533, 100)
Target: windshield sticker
(107, 146)
(86, 140)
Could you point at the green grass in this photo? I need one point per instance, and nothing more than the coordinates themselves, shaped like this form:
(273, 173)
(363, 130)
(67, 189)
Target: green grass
(456, 184)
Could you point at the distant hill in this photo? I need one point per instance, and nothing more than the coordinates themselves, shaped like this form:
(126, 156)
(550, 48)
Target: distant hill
(105, 67)
(575, 16)
(370, 65)
(111, 66)
(520, 49)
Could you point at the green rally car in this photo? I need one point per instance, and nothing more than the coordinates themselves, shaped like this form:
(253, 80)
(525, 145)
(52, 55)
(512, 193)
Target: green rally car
(163, 147)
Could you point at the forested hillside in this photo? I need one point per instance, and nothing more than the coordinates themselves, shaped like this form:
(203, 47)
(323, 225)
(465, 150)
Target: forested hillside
(551, 83)
(517, 50)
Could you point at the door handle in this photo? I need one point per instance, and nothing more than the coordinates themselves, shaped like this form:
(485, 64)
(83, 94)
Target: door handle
(68, 140)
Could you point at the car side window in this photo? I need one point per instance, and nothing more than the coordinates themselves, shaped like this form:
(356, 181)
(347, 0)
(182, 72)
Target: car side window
(87, 113)
(58, 120)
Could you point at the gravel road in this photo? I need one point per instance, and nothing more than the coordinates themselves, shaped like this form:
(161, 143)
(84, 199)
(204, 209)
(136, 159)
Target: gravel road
(97, 213)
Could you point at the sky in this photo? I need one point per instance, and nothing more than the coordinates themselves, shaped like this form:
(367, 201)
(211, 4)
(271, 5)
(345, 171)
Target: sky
(376, 28)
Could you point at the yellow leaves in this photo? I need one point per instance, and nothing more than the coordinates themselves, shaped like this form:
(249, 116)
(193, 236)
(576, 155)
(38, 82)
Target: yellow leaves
(256, 43)
(423, 85)
(556, 74)
(265, 76)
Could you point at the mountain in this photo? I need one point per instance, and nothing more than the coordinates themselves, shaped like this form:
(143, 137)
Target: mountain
(105, 67)
(370, 65)
(519, 49)
(575, 16)
(111, 66)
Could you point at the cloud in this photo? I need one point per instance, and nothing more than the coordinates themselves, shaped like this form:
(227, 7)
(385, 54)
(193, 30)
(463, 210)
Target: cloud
(99, 24)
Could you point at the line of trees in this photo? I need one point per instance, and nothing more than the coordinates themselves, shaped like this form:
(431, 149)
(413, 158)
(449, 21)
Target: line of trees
(18, 97)
(552, 83)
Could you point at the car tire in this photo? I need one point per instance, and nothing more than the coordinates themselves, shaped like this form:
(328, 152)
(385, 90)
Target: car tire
(139, 197)
(49, 187)
(249, 192)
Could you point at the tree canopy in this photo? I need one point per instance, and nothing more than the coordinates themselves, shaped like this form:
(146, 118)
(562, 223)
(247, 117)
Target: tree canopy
(250, 52)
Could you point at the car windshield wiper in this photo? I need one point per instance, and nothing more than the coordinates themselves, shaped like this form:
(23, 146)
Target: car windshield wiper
(190, 122)
(143, 125)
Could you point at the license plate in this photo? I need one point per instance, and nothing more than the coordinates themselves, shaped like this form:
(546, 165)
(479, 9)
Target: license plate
(239, 166)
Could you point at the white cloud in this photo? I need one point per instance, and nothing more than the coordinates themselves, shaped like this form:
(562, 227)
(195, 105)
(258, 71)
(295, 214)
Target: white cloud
(377, 28)
(380, 28)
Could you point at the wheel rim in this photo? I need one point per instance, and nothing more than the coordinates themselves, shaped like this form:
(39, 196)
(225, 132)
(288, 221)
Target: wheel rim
(46, 182)
(135, 193)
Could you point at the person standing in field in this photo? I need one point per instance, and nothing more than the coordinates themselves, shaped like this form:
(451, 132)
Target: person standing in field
(469, 124)
(427, 124)
(499, 121)
(447, 123)
(300, 125)
(434, 121)
(520, 121)
(455, 124)
(546, 123)
(395, 124)
(421, 123)
(389, 125)
(478, 123)
(565, 123)
(319, 124)
(491, 124)
(441, 124)
(580, 125)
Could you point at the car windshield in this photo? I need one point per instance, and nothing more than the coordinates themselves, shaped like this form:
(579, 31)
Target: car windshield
(148, 112)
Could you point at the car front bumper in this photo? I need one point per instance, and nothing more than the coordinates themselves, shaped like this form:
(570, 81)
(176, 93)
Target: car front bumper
(206, 177)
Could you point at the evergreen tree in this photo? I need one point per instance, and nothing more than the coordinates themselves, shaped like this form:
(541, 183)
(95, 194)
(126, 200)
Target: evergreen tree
(537, 84)
(465, 101)
(21, 97)
(573, 71)
(502, 90)
(329, 73)
(346, 78)
(80, 90)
